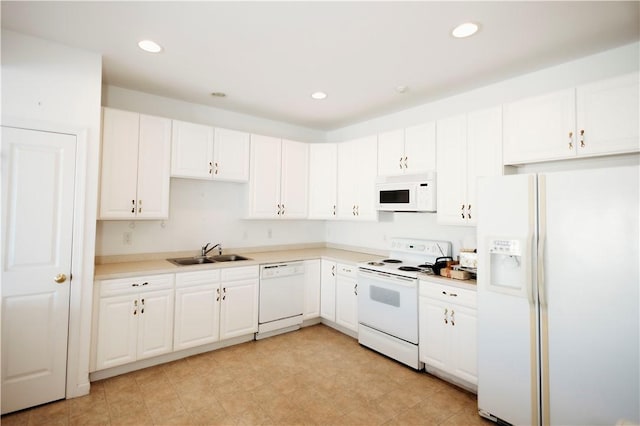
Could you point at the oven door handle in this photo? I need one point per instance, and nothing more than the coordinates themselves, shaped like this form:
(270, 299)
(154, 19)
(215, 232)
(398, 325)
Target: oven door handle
(388, 278)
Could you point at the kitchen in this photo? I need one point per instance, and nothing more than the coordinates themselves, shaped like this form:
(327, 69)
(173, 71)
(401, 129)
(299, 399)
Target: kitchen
(195, 207)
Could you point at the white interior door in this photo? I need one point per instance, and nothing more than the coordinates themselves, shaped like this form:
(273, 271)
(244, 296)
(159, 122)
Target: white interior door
(38, 170)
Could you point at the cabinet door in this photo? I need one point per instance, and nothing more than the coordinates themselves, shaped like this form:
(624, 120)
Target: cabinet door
(608, 116)
(420, 148)
(117, 331)
(239, 308)
(366, 158)
(155, 323)
(323, 176)
(294, 179)
(118, 183)
(540, 128)
(464, 357)
(347, 180)
(391, 155)
(231, 155)
(434, 347)
(328, 290)
(191, 150)
(197, 316)
(347, 303)
(154, 167)
(484, 152)
(311, 289)
(264, 180)
(452, 172)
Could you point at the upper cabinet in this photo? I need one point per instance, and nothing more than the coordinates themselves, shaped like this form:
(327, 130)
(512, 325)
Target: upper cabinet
(357, 160)
(202, 152)
(278, 178)
(323, 180)
(469, 146)
(407, 151)
(136, 151)
(595, 119)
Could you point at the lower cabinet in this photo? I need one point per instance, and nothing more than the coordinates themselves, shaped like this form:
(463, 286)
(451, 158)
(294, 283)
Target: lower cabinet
(328, 289)
(448, 323)
(311, 289)
(239, 301)
(135, 319)
(347, 296)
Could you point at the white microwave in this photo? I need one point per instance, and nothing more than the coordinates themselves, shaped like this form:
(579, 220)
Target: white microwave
(408, 193)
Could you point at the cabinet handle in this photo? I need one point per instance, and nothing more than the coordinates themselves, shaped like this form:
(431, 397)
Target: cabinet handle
(135, 285)
(142, 308)
(145, 283)
(570, 140)
(133, 206)
(582, 138)
(224, 293)
(283, 210)
(453, 318)
(218, 293)
(333, 270)
(210, 167)
(462, 211)
(216, 164)
(469, 211)
(139, 206)
(334, 209)
(405, 162)
(446, 312)
(400, 163)
(355, 289)
(135, 307)
(278, 205)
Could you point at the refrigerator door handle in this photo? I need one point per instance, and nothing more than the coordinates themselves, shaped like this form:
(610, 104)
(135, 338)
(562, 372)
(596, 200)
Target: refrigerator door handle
(542, 238)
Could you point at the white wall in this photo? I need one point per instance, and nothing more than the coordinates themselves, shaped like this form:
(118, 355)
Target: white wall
(49, 86)
(200, 212)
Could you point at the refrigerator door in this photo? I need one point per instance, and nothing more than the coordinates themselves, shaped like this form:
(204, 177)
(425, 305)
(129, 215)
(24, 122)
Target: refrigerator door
(589, 227)
(507, 310)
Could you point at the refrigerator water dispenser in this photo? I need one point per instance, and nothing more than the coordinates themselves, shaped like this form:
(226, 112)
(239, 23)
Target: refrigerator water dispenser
(507, 269)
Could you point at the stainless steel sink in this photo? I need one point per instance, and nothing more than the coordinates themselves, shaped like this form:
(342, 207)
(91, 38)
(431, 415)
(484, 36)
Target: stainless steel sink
(228, 258)
(185, 261)
(199, 260)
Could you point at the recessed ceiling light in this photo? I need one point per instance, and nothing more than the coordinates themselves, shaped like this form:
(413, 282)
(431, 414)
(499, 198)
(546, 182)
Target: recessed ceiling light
(319, 95)
(218, 94)
(150, 46)
(465, 30)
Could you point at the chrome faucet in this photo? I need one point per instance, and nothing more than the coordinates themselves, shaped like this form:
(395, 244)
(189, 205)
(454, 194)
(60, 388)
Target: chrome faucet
(206, 249)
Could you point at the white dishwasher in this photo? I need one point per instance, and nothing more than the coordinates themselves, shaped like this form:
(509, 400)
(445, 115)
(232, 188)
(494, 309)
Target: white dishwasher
(281, 298)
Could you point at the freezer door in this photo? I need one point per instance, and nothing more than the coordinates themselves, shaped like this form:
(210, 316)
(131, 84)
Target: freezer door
(507, 309)
(589, 226)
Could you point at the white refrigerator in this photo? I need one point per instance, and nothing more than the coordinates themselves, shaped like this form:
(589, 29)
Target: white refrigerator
(558, 298)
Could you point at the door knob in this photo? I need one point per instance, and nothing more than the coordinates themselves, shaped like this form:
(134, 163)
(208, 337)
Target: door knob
(60, 278)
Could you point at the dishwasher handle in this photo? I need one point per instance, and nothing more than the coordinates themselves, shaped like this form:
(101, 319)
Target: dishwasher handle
(278, 270)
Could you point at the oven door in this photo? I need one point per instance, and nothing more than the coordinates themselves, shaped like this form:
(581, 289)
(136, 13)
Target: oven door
(388, 303)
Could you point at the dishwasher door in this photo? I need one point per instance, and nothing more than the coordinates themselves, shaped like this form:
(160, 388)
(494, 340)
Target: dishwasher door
(281, 291)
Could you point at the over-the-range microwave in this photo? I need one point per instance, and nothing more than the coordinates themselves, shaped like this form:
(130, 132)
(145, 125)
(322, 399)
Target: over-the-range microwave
(406, 193)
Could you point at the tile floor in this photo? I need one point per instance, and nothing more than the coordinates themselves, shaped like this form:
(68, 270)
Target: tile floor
(315, 376)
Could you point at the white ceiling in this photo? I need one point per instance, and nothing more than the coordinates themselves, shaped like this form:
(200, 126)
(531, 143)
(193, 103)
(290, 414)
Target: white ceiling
(268, 57)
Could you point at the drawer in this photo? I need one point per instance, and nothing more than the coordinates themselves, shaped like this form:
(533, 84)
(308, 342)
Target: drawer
(347, 270)
(189, 279)
(448, 294)
(136, 284)
(243, 273)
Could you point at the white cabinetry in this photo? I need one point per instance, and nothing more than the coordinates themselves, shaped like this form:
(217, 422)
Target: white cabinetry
(357, 170)
(135, 319)
(323, 180)
(407, 151)
(347, 296)
(197, 313)
(469, 146)
(278, 178)
(136, 151)
(239, 304)
(204, 152)
(448, 333)
(311, 289)
(595, 119)
(328, 289)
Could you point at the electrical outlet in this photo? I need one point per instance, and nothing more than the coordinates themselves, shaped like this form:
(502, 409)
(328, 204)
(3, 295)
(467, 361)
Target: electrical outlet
(127, 238)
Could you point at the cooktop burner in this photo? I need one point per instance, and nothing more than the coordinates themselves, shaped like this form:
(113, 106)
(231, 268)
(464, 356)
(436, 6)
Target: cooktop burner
(392, 261)
(375, 263)
(425, 266)
(409, 268)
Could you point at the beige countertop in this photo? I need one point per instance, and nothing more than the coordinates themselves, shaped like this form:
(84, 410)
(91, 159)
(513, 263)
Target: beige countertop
(467, 284)
(161, 266)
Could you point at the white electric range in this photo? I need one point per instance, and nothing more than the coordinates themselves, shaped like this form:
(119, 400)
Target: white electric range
(388, 298)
